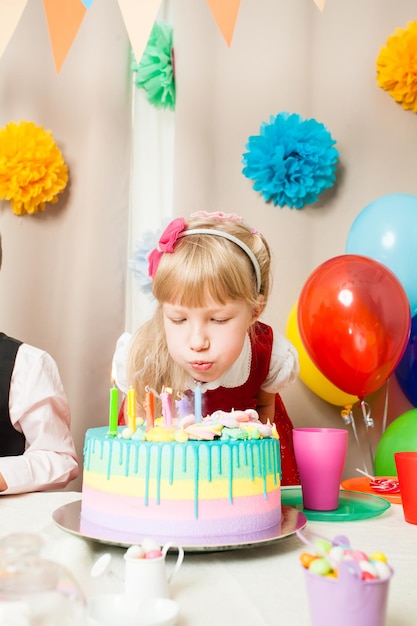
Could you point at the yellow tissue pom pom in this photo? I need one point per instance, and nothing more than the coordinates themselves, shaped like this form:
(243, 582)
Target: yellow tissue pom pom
(32, 168)
(396, 66)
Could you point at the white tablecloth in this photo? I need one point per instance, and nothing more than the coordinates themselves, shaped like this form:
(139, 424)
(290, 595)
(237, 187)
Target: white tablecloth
(257, 586)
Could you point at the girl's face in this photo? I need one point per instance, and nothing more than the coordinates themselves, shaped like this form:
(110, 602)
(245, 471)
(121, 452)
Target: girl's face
(206, 341)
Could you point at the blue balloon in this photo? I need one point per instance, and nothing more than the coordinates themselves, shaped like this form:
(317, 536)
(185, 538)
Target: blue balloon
(406, 371)
(386, 231)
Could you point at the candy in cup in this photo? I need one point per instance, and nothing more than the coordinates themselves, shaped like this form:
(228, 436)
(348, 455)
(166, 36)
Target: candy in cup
(345, 586)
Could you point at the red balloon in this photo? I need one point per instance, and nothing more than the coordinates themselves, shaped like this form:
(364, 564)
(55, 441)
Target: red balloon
(354, 319)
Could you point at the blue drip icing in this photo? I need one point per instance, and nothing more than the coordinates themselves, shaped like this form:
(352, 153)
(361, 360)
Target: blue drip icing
(210, 465)
(147, 464)
(263, 468)
(268, 457)
(171, 464)
(196, 475)
(230, 452)
(109, 460)
(158, 473)
(136, 462)
(251, 464)
(245, 455)
(127, 449)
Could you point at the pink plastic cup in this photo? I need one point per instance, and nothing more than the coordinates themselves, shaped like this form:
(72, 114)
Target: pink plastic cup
(320, 454)
(406, 463)
(347, 600)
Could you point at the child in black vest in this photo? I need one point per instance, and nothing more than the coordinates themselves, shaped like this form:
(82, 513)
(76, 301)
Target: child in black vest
(36, 448)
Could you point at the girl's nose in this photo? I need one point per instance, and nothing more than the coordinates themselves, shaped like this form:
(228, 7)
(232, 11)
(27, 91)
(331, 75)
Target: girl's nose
(199, 340)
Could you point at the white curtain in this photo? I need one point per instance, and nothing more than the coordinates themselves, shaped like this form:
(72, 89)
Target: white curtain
(152, 176)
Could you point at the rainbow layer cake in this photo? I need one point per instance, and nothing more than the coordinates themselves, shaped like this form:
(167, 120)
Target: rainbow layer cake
(214, 478)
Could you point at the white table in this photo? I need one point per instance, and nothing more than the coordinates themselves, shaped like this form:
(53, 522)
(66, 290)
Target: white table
(257, 586)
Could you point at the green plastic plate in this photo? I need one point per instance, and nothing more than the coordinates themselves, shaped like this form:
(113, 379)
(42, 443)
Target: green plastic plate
(353, 505)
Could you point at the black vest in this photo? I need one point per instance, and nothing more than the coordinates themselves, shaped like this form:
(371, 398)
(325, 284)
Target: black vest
(12, 443)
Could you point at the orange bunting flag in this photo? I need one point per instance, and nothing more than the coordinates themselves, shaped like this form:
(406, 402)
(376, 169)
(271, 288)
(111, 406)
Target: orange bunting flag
(320, 4)
(10, 14)
(139, 17)
(225, 14)
(64, 19)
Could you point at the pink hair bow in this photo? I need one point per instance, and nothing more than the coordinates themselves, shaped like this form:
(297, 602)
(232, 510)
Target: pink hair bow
(166, 243)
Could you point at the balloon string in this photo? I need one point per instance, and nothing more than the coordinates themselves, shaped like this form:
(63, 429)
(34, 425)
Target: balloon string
(369, 423)
(384, 419)
(348, 418)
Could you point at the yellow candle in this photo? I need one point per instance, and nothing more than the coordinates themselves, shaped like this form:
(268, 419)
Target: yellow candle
(131, 409)
(113, 410)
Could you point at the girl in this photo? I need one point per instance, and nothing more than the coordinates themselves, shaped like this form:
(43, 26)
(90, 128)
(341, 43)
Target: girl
(211, 280)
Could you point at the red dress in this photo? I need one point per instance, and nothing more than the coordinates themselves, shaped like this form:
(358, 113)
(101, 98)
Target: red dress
(244, 397)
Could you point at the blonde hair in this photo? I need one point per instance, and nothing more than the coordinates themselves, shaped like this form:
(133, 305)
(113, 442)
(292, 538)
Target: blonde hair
(201, 266)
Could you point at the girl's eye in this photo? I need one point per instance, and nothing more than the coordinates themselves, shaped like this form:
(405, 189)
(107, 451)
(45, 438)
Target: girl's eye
(178, 320)
(220, 321)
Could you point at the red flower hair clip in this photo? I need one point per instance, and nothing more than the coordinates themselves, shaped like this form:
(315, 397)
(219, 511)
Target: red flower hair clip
(166, 243)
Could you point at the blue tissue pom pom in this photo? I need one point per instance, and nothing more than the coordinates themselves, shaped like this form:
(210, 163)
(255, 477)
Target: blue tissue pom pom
(292, 160)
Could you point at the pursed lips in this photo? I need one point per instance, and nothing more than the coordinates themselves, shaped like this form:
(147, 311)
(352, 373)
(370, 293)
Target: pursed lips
(201, 366)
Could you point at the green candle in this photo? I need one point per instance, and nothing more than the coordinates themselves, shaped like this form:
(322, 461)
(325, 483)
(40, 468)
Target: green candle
(113, 410)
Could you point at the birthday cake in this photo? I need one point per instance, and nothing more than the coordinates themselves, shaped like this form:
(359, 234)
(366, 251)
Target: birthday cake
(217, 478)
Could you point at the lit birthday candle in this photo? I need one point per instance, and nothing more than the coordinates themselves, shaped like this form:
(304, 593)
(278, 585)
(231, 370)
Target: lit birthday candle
(149, 408)
(198, 402)
(131, 409)
(113, 409)
(166, 405)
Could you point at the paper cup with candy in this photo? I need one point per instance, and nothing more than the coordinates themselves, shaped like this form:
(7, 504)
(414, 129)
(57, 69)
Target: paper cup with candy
(345, 586)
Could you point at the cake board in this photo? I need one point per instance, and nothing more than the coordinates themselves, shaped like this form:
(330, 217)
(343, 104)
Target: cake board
(68, 517)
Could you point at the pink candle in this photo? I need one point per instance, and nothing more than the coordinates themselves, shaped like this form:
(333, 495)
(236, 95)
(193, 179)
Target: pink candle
(166, 405)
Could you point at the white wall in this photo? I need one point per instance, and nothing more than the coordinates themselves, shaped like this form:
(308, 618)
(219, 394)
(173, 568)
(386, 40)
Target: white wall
(288, 56)
(62, 283)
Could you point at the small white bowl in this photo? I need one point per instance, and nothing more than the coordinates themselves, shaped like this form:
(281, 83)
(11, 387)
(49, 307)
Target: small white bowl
(108, 610)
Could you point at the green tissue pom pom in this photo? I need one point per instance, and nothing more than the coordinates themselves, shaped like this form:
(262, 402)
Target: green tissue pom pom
(155, 72)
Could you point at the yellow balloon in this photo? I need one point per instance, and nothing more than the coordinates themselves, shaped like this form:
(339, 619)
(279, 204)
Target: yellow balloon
(309, 373)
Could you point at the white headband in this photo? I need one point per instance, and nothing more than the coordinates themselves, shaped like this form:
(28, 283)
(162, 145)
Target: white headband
(237, 241)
